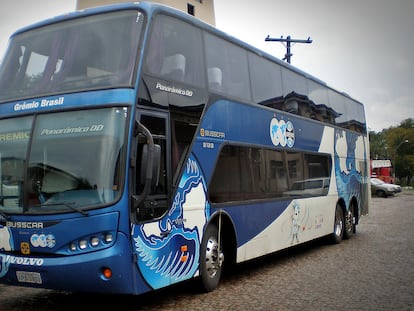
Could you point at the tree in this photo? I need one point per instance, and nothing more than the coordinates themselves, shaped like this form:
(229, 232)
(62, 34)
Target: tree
(400, 147)
(378, 146)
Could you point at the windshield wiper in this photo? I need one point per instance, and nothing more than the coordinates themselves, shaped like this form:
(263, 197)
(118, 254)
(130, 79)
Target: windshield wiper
(67, 204)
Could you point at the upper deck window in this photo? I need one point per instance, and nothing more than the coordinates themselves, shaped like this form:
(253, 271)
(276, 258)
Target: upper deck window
(93, 52)
(227, 67)
(175, 51)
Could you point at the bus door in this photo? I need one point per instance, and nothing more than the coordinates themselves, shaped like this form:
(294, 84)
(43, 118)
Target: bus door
(152, 200)
(165, 248)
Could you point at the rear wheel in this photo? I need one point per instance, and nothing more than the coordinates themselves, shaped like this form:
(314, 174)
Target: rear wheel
(211, 259)
(339, 225)
(350, 224)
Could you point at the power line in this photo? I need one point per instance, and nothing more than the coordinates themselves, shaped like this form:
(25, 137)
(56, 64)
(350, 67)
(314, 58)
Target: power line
(288, 42)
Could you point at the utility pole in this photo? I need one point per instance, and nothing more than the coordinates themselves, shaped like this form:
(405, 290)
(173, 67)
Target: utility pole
(288, 42)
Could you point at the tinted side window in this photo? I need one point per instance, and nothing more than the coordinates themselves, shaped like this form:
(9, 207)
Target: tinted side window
(247, 173)
(175, 51)
(293, 82)
(244, 173)
(337, 103)
(227, 68)
(349, 113)
(266, 79)
(356, 116)
(309, 174)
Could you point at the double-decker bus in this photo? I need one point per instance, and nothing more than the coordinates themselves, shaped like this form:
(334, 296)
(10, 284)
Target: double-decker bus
(140, 147)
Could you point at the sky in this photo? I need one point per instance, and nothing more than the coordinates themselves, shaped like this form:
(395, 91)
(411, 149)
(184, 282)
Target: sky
(364, 48)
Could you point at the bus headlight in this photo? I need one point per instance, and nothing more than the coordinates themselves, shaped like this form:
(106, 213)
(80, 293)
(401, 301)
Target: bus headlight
(108, 238)
(92, 242)
(83, 244)
(72, 246)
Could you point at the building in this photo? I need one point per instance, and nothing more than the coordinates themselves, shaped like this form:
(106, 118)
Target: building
(202, 9)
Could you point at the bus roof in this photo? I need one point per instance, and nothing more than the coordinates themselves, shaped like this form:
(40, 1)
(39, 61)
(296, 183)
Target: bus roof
(152, 8)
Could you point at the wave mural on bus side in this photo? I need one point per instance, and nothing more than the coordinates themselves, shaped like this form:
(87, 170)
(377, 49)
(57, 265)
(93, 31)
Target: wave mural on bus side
(349, 170)
(168, 250)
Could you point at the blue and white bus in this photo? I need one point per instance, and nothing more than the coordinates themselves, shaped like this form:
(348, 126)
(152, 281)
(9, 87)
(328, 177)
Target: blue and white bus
(140, 147)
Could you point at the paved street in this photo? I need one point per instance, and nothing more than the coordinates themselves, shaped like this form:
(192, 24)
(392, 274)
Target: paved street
(374, 270)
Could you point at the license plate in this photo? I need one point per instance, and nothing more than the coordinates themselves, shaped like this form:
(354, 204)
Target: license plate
(29, 277)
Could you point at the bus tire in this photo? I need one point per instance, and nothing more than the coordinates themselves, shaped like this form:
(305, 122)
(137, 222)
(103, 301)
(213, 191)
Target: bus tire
(339, 225)
(350, 226)
(211, 259)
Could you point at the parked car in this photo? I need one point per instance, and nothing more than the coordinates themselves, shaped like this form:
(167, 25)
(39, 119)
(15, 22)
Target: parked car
(383, 189)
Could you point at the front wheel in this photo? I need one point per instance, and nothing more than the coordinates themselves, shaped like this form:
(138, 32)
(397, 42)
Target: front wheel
(211, 259)
(339, 225)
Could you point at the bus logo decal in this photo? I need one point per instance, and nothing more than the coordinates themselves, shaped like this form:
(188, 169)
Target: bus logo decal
(25, 248)
(282, 133)
(43, 240)
(25, 106)
(174, 90)
(22, 261)
(212, 133)
(36, 104)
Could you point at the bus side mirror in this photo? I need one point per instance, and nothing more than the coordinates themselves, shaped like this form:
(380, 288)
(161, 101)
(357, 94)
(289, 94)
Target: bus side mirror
(156, 164)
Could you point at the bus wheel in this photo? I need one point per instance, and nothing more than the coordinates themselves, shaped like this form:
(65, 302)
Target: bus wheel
(350, 226)
(339, 225)
(211, 259)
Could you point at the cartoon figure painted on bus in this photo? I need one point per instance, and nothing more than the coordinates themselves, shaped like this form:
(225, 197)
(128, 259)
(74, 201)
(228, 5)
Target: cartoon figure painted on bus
(295, 222)
(298, 221)
(168, 250)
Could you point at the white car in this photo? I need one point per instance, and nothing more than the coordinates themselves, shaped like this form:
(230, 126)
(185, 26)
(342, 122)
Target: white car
(383, 189)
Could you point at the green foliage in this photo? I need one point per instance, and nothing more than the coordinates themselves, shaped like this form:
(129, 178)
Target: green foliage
(378, 146)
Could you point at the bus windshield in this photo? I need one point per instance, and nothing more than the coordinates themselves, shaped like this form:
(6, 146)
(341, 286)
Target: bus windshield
(67, 157)
(92, 53)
